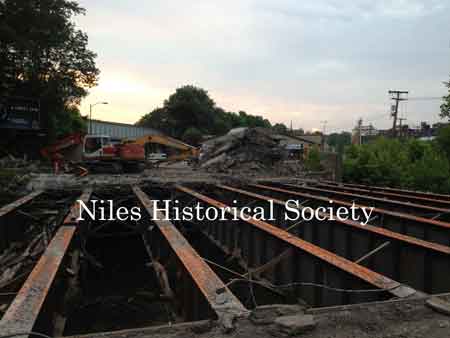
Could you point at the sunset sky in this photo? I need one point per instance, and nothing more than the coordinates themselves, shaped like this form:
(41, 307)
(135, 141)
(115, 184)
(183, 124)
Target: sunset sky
(305, 61)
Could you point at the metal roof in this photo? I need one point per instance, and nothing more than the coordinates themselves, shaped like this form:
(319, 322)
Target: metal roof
(120, 130)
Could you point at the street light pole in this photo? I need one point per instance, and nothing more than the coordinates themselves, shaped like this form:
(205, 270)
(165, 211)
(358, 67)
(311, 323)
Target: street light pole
(90, 119)
(90, 114)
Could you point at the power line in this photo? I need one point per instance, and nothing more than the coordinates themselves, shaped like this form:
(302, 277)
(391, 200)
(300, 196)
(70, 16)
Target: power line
(425, 98)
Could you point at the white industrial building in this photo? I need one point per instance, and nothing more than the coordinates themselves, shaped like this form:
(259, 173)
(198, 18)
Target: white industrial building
(118, 130)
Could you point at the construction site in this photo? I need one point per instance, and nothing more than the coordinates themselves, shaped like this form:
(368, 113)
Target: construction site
(64, 275)
(173, 169)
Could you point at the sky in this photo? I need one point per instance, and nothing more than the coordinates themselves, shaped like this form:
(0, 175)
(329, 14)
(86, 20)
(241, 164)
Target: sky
(287, 60)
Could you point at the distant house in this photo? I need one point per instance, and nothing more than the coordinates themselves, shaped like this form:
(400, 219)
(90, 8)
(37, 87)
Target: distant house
(317, 139)
(295, 145)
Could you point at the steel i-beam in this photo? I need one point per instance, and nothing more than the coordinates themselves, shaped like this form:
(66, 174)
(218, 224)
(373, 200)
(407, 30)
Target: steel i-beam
(407, 192)
(427, 201)
(5, 211)
(353, 240)
(423, 228)
(221, 300)
(259, 242)
(24, 310)
(18, 203)
(417, 209)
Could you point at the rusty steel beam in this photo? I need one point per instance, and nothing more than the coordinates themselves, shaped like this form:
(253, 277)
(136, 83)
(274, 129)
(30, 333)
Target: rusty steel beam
(420, 227)
(320, 261)
(407, 192)
(333, 234)
(369, 228)
(221, 300)
(414, 208)
(426, 201)
(15, 218)
(24, 310)
(18, 203)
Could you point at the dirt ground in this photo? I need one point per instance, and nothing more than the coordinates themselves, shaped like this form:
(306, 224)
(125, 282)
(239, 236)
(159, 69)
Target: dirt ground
(177, 173)
(390, 319)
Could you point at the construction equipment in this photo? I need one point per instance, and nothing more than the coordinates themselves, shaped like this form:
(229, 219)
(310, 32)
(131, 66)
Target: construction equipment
(161, 148)
(99, 153)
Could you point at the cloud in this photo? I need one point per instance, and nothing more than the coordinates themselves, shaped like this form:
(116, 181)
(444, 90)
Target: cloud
(286, 59)
(354, 10)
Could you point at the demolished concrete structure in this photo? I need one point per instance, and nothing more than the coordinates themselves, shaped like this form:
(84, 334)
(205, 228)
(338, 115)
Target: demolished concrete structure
(254, 146)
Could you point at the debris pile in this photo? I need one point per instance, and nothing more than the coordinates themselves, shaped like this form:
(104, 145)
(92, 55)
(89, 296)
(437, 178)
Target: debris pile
(289, 168)
(10, 162)
(19, 258)
(249, 149)
(15, 173)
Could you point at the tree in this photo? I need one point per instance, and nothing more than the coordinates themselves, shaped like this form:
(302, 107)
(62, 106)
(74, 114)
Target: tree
(339, 141)
(312, 161)
(280, 128)
(443, 140)
(69, 122)
(253, 121)
(44, 56)
(410, 164)
(191, 109)
(159, 119)
(445, 107)
(188, 107)
(192, 136)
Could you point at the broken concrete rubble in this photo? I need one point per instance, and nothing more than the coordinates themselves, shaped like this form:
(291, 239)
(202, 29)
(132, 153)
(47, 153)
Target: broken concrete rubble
(247, 150)
(266, 314)
(295, 324)
(439, 305)
(11, 162)
(15, 173)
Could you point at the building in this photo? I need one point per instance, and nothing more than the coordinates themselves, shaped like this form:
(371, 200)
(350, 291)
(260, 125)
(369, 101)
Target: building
(20, 113)
(295, 145)
(424, 131)
(21, 126)
(118, 130)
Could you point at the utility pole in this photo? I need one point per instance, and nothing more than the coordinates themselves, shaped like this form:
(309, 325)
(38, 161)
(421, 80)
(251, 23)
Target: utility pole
(90, 114)
(400, 120)
(360, 122)
(324, 126)
(324, 129)
(396, 96)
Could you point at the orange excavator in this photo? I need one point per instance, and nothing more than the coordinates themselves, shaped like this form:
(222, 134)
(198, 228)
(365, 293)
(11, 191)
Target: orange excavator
(162, 148)
(96, 153)
(100, 153)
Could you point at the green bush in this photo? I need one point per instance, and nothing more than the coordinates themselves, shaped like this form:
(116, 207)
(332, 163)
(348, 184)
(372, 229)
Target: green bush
(411, 164)
(312, 161)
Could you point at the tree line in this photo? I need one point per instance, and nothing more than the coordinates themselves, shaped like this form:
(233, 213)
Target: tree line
(190, 114)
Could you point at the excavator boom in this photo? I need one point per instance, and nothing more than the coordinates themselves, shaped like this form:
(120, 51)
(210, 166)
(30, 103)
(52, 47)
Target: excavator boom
(186, 151)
